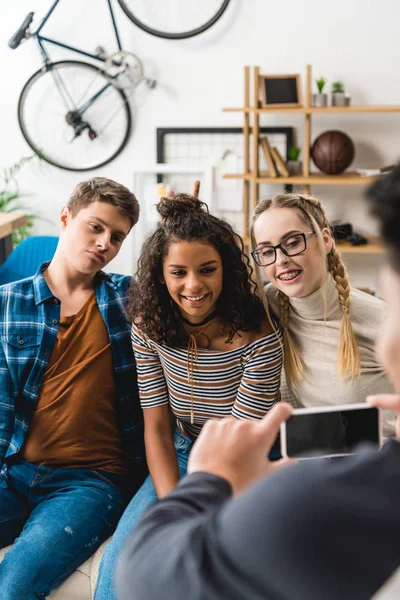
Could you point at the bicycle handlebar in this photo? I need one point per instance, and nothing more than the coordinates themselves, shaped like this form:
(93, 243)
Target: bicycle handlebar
(19, 35)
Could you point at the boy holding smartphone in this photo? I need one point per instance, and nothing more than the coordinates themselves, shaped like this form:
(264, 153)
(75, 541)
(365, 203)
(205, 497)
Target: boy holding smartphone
(317, 530)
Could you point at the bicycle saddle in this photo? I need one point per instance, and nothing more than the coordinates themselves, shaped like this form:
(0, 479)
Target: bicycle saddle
(19, 35)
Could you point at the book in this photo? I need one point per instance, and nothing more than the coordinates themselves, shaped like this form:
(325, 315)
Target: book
(272, 172)
(280, 163)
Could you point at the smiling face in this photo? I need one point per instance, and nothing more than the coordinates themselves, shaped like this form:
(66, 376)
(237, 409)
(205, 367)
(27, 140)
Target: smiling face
(296, 276)
(93, 237)
(192, 272)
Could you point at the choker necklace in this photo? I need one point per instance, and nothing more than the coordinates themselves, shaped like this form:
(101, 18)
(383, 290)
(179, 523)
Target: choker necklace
(206, 320)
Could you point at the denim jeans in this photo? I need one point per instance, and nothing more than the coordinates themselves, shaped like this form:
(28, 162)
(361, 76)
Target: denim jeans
(142, 500)
(56, 519)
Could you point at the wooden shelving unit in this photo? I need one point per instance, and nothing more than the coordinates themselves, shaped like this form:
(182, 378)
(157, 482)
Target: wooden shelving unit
(374, 246)
(348, 178)
(253, 177)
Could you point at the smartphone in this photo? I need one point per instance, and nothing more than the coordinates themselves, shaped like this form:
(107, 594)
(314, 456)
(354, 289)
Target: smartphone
(329, 431)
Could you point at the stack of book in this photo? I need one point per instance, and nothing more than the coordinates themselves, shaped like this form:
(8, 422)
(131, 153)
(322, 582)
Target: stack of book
(275, 162)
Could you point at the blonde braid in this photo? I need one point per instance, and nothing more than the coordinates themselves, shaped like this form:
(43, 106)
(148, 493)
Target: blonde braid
(349, 355)
(292, 361)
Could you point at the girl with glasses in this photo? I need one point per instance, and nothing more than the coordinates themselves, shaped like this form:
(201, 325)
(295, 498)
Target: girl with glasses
(204, 347)
(329, 327)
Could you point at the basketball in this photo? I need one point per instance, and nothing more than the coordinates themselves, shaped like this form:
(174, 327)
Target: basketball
(332, 152)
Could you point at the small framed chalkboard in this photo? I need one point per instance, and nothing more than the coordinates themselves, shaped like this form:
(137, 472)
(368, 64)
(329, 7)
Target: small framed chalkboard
(280, 91)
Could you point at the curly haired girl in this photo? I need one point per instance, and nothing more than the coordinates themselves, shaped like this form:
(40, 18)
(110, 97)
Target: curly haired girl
(204, 346)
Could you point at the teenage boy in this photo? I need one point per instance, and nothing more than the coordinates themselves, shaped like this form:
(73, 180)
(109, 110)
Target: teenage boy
(71, 427)
(318, 530)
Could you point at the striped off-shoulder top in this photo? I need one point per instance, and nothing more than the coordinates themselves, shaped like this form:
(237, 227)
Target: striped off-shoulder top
(242, 382)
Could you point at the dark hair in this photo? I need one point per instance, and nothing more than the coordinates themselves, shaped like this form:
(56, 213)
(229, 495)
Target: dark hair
(185, 218)
(384, 200)
(104, 190)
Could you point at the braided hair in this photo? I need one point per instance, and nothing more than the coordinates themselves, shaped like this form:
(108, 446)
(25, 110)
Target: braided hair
(313, 214)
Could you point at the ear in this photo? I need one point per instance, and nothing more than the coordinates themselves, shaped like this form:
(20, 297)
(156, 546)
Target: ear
(327, 240)
(162, 280)
(65, 217)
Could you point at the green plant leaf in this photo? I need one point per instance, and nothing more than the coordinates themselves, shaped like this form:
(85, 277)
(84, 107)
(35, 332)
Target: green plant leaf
(321, 82)
(337, 87)
(294, 152)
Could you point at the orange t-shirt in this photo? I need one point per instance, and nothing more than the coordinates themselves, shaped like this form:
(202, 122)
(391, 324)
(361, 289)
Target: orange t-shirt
(75, 421)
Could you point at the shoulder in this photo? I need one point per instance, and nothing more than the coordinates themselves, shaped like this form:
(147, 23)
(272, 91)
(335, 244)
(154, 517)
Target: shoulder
(118, 279)
(271, 294)
(20, 306)
(116, 282)
(22, 289)
(139, 338)
(265, 331)
(366, 308)
(267, 340)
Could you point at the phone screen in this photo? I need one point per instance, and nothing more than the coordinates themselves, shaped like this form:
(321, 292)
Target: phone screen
(331, 433)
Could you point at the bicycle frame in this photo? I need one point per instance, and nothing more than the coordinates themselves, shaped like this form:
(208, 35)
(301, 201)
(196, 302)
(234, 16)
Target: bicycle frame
(40, 38)
(47, 60)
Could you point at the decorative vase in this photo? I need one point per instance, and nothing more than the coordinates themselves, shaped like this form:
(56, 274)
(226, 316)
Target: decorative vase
(320, 100)
(295, 167)
(340, 99)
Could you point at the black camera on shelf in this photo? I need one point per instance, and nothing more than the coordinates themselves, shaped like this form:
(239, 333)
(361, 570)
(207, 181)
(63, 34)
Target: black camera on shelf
(344, 231)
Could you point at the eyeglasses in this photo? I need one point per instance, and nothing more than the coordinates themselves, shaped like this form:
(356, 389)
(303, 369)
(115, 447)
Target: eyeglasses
(291, 246)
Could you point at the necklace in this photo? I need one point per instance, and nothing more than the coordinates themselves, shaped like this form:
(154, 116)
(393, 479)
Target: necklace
(193, 354)
(203, 322)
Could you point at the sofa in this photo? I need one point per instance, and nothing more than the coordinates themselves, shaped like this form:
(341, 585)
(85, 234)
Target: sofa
(80, 585)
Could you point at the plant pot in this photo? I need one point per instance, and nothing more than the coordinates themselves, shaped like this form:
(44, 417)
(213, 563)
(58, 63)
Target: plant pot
(320, 100)
(341, 99)
(295, 167)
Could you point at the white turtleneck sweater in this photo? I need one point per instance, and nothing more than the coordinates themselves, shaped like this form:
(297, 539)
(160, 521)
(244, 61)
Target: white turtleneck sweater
(317, 341)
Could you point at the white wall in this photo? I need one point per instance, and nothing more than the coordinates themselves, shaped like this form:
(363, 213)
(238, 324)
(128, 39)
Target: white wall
(346, 39)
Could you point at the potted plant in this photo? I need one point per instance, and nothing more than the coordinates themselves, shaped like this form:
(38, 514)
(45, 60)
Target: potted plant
(321, 99)
(339, 96)
(10, 197)
(294, 165)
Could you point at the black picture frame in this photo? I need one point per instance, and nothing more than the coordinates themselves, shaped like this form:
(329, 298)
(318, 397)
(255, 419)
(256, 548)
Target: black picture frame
(280, 91)
(162, 132)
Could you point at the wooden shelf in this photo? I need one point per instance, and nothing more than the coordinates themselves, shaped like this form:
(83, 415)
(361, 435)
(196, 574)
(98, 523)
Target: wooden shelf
(11, 221)
(377, 108)
(374, 246)
(348, 178)
(236, 176)
(303, 110)
(252, 175)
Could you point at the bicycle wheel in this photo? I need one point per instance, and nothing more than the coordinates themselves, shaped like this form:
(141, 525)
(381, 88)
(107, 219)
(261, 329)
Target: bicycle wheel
(174, 19)
(74, 116)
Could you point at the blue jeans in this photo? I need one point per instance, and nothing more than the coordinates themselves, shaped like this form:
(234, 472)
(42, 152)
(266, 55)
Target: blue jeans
(55, 518)
(142, 500)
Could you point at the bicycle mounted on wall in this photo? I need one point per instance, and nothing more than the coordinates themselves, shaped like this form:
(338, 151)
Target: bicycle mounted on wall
(76, 115)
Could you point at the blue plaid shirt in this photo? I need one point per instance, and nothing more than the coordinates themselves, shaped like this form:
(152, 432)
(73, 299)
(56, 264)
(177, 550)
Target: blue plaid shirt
(30, 316)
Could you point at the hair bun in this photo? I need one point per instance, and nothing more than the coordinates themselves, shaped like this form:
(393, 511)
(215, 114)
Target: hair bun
(179, 204)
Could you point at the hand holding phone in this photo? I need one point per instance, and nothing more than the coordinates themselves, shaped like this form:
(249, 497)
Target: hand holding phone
(329, 431)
